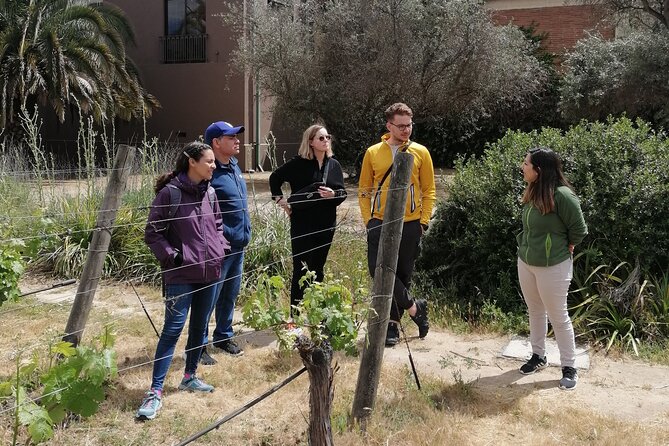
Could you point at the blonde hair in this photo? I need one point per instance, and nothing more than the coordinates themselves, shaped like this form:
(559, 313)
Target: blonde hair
(305, 150)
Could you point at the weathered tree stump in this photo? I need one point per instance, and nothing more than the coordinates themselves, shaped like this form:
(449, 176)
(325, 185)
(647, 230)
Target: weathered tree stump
(318, 361)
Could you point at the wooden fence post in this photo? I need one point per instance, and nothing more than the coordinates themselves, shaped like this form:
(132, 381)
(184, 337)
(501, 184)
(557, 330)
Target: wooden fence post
(97, 249)
(382, 291)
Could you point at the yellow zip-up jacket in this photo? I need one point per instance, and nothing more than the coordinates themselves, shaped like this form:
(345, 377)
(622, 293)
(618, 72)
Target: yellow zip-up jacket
(422, 192)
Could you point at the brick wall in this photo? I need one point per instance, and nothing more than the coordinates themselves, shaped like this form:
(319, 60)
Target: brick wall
(565, 25)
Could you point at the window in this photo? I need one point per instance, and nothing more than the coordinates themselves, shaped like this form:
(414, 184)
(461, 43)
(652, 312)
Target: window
(185, 39)
(185, 17)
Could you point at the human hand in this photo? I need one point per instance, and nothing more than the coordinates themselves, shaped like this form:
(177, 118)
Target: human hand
(326, 192)
(284, 205)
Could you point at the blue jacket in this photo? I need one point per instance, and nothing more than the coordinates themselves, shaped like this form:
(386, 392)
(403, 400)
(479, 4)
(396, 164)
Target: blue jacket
(233, 201)
(196, 231)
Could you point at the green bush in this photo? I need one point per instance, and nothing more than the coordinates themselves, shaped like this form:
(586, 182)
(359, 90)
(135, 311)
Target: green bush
(11, 268)
(620, 170)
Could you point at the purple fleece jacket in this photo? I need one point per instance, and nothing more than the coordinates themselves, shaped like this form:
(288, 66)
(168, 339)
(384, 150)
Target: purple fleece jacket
(196, 231)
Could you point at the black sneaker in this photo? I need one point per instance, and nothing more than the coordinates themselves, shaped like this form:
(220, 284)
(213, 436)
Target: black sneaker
(206, 359)
(393, 334)
(421, 318)
(569, 378)
(534, 364)
(230, 347)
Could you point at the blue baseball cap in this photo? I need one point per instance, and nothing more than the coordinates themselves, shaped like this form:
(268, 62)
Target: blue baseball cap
(221, 128)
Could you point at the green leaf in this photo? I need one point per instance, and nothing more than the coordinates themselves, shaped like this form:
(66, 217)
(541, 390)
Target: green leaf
(57, 413)
(6, 388)
(83, 398)
(41, 429)
(63, 348)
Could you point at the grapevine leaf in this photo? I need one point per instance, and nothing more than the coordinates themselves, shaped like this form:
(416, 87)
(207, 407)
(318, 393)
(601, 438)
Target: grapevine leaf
(63, 348)
(83, 398)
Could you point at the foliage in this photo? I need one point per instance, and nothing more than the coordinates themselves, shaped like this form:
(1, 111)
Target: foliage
(65, 54)
(11, 268)
(447, 60)
(68, 381)
(627, 75)
(637, 15)
(269, 248)
(328, 311)
(620, 171)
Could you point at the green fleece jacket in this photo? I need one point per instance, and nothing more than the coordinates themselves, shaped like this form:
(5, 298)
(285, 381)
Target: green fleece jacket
(545, 239)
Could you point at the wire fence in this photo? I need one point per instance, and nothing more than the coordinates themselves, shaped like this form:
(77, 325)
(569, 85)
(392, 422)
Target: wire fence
(351, 236)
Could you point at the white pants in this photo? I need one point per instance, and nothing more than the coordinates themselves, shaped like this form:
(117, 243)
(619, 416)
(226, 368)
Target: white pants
(545, 291)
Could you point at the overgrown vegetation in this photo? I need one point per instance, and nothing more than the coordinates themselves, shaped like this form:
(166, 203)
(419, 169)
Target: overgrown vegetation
(620, 170)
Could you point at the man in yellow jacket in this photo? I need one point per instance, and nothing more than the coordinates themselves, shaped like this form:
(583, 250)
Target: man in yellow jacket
(372, 195)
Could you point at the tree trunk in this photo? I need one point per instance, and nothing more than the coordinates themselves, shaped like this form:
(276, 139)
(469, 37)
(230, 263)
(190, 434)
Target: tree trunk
(318, 361)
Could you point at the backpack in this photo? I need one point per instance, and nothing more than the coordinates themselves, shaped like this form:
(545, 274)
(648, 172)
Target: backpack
(175, 201)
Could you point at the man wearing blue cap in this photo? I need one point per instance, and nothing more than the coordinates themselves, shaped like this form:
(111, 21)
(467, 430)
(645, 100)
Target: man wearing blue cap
(232, 198)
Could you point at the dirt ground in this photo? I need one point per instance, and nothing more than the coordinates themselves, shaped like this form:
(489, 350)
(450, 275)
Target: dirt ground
(623, 388)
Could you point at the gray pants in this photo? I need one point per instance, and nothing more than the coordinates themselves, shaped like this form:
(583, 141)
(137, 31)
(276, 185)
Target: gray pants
(545, 292)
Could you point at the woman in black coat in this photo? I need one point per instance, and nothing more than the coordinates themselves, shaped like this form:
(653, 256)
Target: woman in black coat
(317, 188)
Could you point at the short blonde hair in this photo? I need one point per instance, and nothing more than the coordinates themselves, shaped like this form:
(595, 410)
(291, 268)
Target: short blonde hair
(305, 150)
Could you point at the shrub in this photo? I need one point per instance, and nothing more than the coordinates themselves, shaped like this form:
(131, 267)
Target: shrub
(11, 268)
(620, 170)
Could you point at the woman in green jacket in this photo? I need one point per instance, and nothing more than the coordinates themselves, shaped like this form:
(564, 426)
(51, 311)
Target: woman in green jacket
(552, 225)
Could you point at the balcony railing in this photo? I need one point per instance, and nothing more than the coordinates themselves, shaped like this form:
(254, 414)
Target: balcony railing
(184, 48)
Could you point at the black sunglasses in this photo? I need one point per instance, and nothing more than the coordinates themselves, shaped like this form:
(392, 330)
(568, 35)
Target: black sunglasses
(324, 137)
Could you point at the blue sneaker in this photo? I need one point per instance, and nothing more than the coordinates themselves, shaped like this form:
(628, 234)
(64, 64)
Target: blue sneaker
(150, 406)
(195, 384)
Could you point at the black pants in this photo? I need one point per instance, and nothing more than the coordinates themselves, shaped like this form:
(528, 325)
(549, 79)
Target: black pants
(409, 250)
(310, 245)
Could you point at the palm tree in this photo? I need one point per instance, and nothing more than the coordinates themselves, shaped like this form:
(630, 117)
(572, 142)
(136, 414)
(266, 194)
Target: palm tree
(65, 53)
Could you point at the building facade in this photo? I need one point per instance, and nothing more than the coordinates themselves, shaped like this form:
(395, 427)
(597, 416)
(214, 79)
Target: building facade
(565, 22)
(184, 55)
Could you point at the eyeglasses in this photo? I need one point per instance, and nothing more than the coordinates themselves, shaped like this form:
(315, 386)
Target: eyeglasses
(402, 127)
(324, 137)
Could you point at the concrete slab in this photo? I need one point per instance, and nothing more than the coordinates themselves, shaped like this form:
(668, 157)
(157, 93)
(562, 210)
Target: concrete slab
(520, 348)
(58, 295)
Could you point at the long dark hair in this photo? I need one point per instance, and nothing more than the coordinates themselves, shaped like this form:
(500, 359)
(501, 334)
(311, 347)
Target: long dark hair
(541, 192)
(193, 150)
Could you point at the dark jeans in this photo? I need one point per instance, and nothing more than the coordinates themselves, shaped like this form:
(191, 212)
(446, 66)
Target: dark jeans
(409, 250)
(226, 294)
(310, 246)
(199, 298)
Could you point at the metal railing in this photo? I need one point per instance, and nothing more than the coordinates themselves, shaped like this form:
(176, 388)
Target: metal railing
(184, 48)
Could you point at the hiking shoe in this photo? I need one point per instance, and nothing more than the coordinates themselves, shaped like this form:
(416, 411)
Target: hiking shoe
(206, 359)
(393, 334)
(534, 364)
(195, 384)
(421, 318)
(230, 347)
(569, 378)
(150, 406)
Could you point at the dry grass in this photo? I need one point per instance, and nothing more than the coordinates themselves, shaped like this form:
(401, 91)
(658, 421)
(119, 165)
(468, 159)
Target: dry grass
(447, 410)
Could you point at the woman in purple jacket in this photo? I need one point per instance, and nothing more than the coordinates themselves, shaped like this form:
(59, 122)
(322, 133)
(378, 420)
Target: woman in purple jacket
(185, 233)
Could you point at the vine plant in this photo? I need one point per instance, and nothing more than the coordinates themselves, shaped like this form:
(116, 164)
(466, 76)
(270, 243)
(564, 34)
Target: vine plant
(327, 320)
(68, 381)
